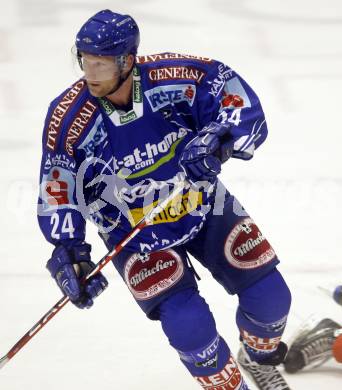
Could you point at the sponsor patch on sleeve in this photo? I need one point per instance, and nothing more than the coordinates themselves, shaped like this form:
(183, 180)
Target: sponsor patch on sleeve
(78, 125)
(234, 95)
(57, 188)
(58, 114)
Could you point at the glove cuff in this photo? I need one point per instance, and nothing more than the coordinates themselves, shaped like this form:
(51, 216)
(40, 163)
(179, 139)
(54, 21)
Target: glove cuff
(219, 129)
(224, 146)
(226, 151)
(81, 253)
(60, 257)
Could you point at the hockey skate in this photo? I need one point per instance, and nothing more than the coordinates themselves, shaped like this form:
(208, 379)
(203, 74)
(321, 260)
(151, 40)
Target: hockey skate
(266, 377)
(312, 347)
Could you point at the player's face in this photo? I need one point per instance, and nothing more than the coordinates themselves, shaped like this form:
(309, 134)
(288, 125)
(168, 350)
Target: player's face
(102, 73)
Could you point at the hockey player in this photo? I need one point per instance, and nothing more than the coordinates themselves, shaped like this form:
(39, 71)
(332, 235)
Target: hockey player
(115, 143)
(315, 345)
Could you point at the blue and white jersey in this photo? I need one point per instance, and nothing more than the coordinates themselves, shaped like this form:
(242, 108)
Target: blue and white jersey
(112, 166)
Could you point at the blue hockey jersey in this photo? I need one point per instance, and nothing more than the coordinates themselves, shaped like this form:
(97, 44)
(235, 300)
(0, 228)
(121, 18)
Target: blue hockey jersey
(112, 166)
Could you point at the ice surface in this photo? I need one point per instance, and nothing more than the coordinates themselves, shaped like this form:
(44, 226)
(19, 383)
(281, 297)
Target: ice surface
(291, 54)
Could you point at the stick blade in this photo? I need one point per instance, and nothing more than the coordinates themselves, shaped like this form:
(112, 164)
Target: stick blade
(4, 360)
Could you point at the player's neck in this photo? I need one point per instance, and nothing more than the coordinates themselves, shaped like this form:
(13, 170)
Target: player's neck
(122, 96)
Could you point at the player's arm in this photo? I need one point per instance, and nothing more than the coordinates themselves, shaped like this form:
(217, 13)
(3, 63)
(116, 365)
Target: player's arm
(60, 217)
(231, 120)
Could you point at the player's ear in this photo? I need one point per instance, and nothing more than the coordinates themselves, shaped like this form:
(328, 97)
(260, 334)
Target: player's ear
(129, 62)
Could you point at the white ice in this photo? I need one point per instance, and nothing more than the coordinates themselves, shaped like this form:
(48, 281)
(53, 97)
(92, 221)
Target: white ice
(291, 53)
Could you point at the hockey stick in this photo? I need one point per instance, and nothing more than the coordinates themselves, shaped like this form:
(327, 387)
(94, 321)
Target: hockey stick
(145, 221)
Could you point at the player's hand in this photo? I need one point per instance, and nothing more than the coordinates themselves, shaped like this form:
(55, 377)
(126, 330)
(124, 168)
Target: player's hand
(69, 267)
(202, 157)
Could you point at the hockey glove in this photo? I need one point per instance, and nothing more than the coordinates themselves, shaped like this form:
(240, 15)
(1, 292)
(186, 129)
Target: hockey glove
(337, 295)
(202, 157)
(69, 267)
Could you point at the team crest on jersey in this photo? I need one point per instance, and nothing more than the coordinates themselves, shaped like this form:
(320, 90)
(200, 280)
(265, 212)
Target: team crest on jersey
(162, 96)
(246, 247)
(147, 279)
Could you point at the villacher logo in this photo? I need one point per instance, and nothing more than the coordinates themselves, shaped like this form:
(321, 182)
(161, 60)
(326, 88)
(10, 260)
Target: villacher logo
(146, 279)
(246, 247)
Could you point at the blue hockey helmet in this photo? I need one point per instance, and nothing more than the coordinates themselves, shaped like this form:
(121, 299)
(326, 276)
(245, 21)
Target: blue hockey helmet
(108, 34)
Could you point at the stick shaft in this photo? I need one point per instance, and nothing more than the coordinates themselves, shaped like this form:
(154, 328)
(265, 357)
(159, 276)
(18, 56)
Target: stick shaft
(147, 220)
